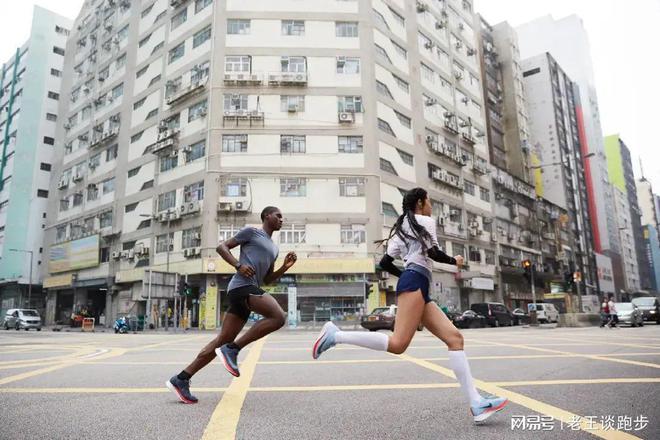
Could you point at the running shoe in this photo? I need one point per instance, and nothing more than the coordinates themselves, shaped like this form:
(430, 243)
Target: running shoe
(229, 358)
(326, 339)
(488, 407)
(181, 388)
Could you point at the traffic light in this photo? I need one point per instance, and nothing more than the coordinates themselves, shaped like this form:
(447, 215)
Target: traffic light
(527, 267)
(183, 288)
(368, 289)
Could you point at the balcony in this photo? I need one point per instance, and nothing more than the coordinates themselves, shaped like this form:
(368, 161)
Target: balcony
(480, 166)
(447, 152)
(181, 93)
(248, 117)
(104, 137)
(450, 123)
(443, 177)
(297, 79)
(167, 138)
(242, 79)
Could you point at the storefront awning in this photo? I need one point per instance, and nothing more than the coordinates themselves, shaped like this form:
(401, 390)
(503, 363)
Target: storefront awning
(330, 290)
(58, 281)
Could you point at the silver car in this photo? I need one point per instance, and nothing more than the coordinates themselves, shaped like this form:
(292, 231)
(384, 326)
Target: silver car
(22, 319)
(629, 313)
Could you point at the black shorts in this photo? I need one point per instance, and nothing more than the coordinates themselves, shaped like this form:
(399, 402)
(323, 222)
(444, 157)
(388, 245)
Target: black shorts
(238, 300)
(411, 281)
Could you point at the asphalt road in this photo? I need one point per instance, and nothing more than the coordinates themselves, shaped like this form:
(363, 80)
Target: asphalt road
(562, 383)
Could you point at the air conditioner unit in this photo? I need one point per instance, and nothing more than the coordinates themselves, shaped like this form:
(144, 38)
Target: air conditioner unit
(346, 117)
(428, 45)
(341, 61)
(187, 149)
(63, 183)
(430, 140)
(92, 165)
(458, 75)
(197, 251)
(467, 283)
(77, 177)
(144, 251)
(441, 24)
(183, 209)
(382, 285)
(471, 52)
(193, 207)
(187, 252)
(197, 236)
(422, 7)
(293, 108)
(240, 206)
(225, 206)
(116, 255)
(431, 101)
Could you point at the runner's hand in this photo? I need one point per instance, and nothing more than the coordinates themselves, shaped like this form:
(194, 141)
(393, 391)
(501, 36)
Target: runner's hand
(246, 270)
(459, 260)
(290, 260)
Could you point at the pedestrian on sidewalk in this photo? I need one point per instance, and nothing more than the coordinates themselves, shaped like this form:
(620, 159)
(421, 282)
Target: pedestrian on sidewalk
(604, 313)
(254, 267)
(413, 238)
(614, 318)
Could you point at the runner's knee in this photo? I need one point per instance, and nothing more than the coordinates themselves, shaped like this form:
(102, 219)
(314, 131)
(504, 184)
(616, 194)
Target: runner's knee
(454, 340)
(397, 346)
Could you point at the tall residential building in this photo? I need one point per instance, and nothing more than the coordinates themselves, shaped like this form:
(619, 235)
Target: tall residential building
(621, 175)
(29, 94)
(184, 119)
(552, 97)
(650, 228)
(527, 227)
(567, 41)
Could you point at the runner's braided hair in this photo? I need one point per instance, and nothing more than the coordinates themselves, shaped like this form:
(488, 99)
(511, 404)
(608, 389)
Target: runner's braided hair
(419, 232)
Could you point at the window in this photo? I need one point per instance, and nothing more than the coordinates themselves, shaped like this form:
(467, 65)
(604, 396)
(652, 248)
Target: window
(403, 53)
(201, 4)
(108, 185)
(133, 172)
(53, 95)
(225, 232)
(380, 18)
(385, 126)
(55, 72)
(468, 187)
(405, 157)
(198, 110)
(62, 31)
(484, 194)
(176, 53)
(64, 204)
(168, 162)
(167, 200)
(118, 91)
(531, 72)
(403, 85)
(293, 64)
(382, 53)
(348, 65)
(292, 144)
(122, 33)
(154, 80)
(293, 187)
(151, 114)
(346, 29)
(427, 73)
(349, 104)
(202, 37)
(42, 193)
(293, 27)
(235, 187)
(386, 165)
(77, 199)
(455, 214)
(142, 71)
(60, 233)
(120, 62)
(136, 137)
(111, 153)
(383, 90)
(193, 192)
(350, 144)
(144, 41)
(92, 192)
(197, 150)
(490, 256)
(292, 103)
(353, 234)
(49, 140)
(139, 103)
(458, 249)
(163, 242)
(403, 119)
(398, 17)
(58, 50)
(45, 166)
(351, 186)
(191, 237)
(474, 254)
(292, 234)
(389, 210)
(237, 63)
(179, 18)
(238, 27)
(234, 143)
(147, 10)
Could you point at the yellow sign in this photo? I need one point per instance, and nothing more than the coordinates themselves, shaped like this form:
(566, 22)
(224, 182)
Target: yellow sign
(58, 281)
(554, 295)
(304, 265)
(76, 254)
(210, 311)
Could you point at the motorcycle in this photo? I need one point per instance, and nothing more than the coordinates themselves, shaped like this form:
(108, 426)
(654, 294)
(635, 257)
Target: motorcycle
(122, 325)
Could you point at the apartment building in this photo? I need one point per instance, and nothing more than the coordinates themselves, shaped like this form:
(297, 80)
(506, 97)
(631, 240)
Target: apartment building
(650, 227)
(184, 119)
(29, 95)
(552, 97)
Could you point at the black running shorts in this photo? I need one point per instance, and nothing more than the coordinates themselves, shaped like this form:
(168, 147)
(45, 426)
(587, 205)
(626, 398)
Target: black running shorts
(238, 300)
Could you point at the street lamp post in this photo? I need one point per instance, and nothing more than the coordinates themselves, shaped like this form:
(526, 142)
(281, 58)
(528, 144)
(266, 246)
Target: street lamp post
(30, 284)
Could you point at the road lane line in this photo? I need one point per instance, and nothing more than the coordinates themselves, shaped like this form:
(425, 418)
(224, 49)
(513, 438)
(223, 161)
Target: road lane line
(225, 417)
(534, 405)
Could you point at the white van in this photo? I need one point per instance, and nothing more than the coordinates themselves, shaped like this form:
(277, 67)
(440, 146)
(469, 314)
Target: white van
(545, 312)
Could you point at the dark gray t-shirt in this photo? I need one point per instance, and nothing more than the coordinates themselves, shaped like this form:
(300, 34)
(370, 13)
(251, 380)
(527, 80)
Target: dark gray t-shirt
(258, 251)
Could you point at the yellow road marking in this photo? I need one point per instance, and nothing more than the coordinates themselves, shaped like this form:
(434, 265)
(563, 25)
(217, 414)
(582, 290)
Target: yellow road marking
(224, 419)
(99, 390)
(534, 405)
(608, 342)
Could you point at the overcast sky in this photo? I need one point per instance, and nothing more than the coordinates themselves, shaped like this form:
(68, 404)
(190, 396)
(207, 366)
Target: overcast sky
(624, 37)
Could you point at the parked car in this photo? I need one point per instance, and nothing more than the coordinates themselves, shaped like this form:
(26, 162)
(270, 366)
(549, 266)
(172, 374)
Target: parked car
(629, 313)
(520, 317)
(650, 308)
(469, 319)
(545, 312)
(22, 319)
(382, 318)
(496, 314)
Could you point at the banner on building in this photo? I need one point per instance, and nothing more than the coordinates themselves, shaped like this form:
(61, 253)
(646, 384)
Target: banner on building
(73, 255)
(605, 274)
(293, 307)
(210, 309)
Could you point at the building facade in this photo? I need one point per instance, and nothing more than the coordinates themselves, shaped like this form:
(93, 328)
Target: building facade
(552, 98)
(650, 228)
(567, 41)
(29, 94)
(184, 119)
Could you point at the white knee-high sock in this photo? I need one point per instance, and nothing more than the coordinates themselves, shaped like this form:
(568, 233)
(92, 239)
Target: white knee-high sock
(458, 362)
(372, 340)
